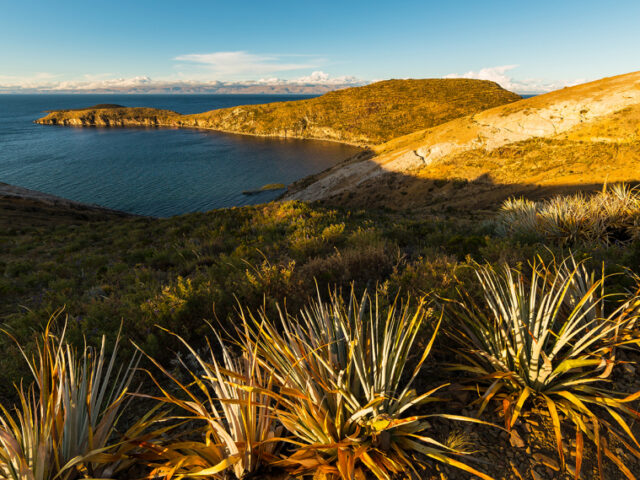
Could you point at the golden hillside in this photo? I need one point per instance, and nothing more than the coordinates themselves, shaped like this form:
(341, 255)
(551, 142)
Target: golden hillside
(570, 139)
(362, 115)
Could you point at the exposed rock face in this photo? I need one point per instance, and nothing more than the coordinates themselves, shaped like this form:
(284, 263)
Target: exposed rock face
(426, 152)
(363, 116)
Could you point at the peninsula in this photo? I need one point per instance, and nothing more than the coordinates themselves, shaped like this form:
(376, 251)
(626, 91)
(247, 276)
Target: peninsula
(445, 143)
(363, 116)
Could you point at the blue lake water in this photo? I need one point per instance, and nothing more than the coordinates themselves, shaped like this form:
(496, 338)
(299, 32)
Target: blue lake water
(159, 172)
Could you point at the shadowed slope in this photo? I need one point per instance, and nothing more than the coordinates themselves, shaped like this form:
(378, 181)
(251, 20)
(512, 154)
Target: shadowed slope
(21, 208)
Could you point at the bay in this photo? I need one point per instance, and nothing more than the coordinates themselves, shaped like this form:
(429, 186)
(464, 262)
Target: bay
(151, 171)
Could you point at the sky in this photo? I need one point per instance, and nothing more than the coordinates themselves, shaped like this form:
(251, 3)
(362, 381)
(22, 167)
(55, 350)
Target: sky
(527, 47)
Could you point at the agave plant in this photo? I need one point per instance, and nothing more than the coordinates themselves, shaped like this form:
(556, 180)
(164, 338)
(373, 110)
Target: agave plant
(570, 220)
(64, 425)
(609, 216)
(345, 375)
(239, 430)
(548, 339)
(519, 215)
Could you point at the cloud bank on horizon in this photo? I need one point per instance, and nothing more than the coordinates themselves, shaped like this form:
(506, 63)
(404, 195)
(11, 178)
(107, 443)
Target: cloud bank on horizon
(226, 72)
(527, 86)
(316, 82)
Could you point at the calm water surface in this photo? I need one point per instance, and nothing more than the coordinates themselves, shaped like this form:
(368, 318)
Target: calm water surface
(160, 172)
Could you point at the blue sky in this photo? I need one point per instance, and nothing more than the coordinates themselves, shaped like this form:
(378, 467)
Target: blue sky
(523, 45)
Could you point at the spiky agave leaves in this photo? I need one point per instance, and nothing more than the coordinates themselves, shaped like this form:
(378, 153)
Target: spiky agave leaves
(231, 398)
(518, 216)
(610, 216)
(65, 422)
(345, 396)
(26, 442)
(548, 338)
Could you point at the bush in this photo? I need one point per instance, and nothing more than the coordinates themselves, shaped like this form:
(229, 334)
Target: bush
(550, 339)
(611, 216)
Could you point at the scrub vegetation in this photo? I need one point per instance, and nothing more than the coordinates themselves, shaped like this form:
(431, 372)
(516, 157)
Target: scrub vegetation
(288, 338)
(425, 339)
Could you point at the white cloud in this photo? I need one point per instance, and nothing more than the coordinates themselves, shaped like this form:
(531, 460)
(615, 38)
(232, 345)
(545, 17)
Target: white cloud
(500, 76)
(226, 72)
(319, 77)
(94, 84)
(37, 79)
(317, 82)
(234, 64)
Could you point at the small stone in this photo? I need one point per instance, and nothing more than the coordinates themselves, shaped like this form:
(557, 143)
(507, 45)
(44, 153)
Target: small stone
(536, 476)
(461, 396)
(516, 439)
(547, 461)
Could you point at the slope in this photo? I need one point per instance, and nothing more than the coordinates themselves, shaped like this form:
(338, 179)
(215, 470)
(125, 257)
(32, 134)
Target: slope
(570, 139)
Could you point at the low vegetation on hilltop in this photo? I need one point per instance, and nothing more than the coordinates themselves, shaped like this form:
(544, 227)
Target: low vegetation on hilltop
(361, 115)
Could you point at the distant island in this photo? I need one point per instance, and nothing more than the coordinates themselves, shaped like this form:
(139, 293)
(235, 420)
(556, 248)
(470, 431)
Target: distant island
(365, 116)
(269, 187)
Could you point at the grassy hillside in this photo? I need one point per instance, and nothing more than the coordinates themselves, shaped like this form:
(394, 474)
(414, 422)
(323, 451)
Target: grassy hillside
(23, 208)
(180, 272)
(362, 115)
(574, 138)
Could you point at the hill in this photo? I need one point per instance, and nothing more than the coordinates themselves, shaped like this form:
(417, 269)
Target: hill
(23, 208)
(570, 139)
(367, 115)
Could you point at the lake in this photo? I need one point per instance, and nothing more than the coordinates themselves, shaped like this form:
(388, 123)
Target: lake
(157, 172)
